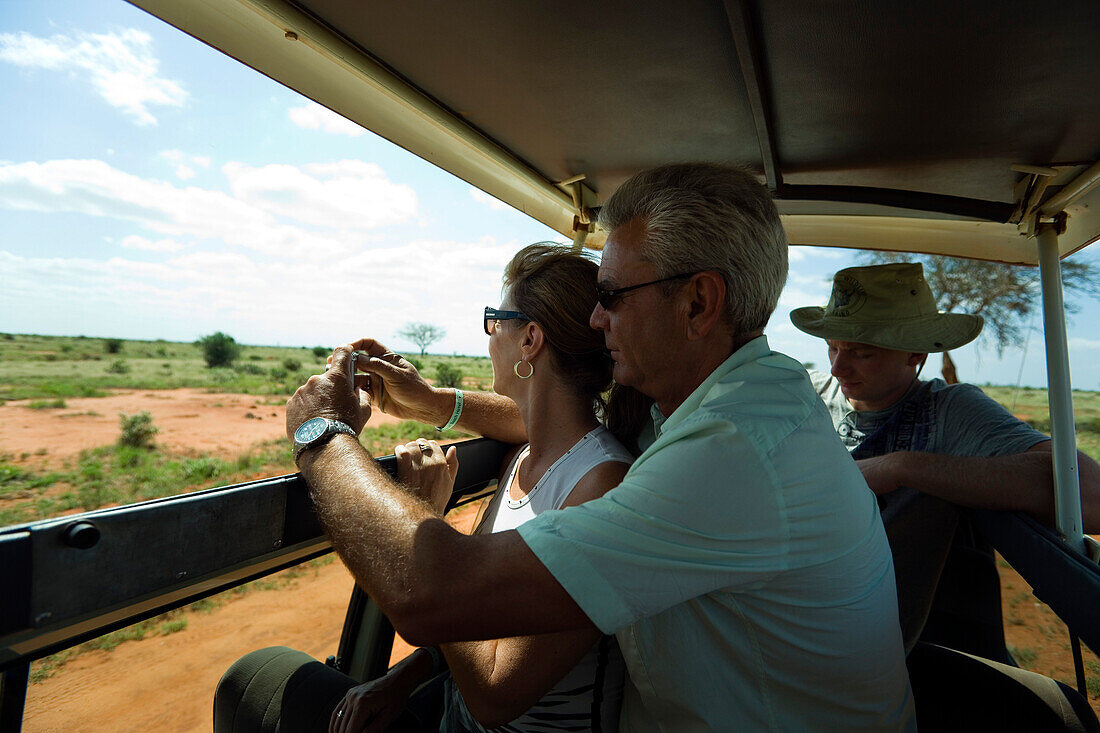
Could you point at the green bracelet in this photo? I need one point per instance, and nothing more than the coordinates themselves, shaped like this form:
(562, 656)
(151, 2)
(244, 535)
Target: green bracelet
(454, 415)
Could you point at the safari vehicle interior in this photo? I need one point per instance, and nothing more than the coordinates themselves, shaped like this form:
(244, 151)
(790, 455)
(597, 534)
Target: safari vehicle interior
(964, 129)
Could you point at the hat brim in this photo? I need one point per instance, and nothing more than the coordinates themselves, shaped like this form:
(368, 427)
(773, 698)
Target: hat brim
(923, 334)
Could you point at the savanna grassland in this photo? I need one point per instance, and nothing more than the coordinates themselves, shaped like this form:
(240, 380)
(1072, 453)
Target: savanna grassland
(45, 377)
(49, 368)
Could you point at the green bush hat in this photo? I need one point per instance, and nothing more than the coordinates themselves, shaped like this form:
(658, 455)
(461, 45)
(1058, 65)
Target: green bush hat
(890, 306)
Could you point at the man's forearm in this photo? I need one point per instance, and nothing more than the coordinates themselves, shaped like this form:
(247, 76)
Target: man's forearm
(1020, 482)
(434, 583)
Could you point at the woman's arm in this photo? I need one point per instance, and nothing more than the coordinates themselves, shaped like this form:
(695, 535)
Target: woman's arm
(500, 679)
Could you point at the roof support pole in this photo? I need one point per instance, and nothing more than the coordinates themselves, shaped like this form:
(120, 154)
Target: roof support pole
(1067, 480)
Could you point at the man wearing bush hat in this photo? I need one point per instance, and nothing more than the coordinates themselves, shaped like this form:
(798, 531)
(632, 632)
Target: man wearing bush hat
(925, 447)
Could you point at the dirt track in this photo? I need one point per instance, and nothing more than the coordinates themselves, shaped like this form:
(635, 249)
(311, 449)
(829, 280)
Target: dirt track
(166, 683)
(189, 421)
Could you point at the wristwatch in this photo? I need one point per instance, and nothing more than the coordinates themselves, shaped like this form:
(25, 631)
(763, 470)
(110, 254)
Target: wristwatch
(316, 431)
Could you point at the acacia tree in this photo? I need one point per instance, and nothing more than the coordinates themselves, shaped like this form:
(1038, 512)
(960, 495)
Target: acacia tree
(1004, 295)
(422, 334)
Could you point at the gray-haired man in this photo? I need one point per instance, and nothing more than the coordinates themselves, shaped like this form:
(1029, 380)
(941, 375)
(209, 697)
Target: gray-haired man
(741, 562)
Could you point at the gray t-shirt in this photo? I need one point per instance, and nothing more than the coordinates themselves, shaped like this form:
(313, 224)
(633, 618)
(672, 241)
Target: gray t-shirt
(954, 420)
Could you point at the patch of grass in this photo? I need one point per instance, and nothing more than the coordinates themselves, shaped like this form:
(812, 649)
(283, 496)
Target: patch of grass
(47, 404)
(1092, 681)
(171, 627)
(15, 479)
(1024, 656)
(162, 625)
(126, 474)
(379, 441)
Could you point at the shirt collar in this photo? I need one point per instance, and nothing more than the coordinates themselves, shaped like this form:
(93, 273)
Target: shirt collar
(751, 351)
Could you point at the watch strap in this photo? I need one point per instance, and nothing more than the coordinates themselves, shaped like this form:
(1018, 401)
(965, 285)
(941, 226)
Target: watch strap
(332, 427)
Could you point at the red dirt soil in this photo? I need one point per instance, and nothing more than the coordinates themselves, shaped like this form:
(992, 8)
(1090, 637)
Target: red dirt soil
(166, 683)
(190, 421)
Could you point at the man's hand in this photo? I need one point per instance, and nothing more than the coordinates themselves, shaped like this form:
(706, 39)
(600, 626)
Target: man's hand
(882, 472)
(396, 388)
(329, 395)
(423, 466)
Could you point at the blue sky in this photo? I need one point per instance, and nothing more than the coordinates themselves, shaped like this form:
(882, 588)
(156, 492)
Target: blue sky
(151, 187)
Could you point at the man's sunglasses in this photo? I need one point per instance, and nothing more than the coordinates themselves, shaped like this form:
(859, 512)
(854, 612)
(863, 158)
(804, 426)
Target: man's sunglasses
(608, 298)
(492, 315)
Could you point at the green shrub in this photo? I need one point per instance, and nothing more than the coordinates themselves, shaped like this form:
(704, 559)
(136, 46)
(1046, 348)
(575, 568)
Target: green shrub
(9, 337)
(137, 430)
(162, 352)
(415, 362)
(278, 373)
(119, 366)
(250, 369)
(292, 365)
(447, 375)
(321, 352)
(219, 349)
(66, 348)
(112, 346)
(255, 357)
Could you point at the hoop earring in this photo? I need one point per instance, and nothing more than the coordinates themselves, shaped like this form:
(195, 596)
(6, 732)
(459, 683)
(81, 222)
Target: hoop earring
(515, 368)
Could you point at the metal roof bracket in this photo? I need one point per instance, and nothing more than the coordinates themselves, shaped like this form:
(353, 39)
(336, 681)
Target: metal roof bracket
(584, 199)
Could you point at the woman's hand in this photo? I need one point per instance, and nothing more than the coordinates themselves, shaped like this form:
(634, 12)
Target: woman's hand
(424, 467)
(371, 706)
(396, 388)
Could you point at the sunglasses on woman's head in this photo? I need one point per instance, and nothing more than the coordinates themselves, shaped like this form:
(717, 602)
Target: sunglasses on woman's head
(492, 315)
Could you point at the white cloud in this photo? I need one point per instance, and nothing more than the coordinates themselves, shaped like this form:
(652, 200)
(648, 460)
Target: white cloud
(1078, 342)
(184, 163)
(348, 194)
(829, 253)
(319, 210)
(483, 198)
(120, 66)
(261, 300)
(161, 245)
(315, 117)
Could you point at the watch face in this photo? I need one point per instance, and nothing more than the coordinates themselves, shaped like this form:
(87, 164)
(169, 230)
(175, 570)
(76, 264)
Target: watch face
(310, 430)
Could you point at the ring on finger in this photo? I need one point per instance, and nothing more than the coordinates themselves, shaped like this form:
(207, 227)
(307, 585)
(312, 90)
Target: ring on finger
(425, 446)
(339, 713)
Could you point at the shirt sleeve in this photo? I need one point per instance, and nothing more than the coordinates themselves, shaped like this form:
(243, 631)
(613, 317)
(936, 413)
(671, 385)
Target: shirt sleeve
(670, 532)
(973, 424)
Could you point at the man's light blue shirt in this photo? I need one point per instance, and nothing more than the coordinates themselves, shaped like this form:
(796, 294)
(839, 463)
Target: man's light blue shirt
(742, 564)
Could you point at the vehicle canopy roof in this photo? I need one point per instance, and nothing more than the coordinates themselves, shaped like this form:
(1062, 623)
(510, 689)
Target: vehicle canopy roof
(879, 124)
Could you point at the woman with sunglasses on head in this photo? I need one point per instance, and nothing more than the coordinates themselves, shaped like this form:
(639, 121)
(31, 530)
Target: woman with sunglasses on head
(548, 360)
